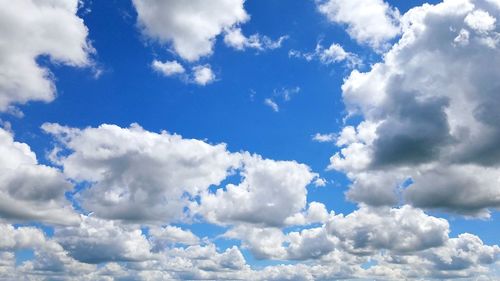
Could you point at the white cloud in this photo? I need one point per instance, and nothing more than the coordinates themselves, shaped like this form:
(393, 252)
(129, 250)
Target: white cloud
(203, 75)
(268, 194)
(96, 240)
(325, 137)
(372, 22)
(480, 20)
(191, 27)
(164, 236)
(30, 191)
(139, 175)
(42, 27)
(430, 114)
(234, 38)
(272, 104)
(168, 68)
(333, 54)
(144, 177)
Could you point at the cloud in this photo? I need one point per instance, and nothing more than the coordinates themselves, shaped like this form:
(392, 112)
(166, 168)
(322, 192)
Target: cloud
(138, 176)
(371, 22)
(168, 68)
(30, 191)
(430, 114)
(333, 54)
(272, 104)
(269, 192)
(203, 75)
(234, 38)
(169, 235)
(43, 28)
(324, 137)
(95, 241)
(191, 27)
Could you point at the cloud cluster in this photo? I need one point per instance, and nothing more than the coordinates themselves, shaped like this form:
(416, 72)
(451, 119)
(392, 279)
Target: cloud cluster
(333, 54)
(234, 38)
(428, 140)
(139, 176)
(371, 22)
(42, 28)
(430, 125)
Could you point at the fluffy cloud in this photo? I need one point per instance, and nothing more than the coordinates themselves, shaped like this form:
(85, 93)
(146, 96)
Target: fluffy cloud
(168, 68)
(430, 128)
(234, 38)
(268, 194)
(169, 235)
(401, 230)
(372, 22)
(141, 176)
(333, 54)
(30, 191)
(96, 240)
(191, 27)
(43, 27)
(203, 75)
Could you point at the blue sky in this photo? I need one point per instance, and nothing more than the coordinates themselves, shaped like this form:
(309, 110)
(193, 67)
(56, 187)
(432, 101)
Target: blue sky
(381, 111)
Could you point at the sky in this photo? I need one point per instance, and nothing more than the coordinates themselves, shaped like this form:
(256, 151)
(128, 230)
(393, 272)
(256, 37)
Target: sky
(249, 140)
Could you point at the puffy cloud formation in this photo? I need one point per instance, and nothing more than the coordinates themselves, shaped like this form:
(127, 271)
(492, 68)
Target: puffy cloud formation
(30, 191)
(430, 110)
(333, 54)
(140, 176)
(234, 38)
(191, 27)
(372, 22)
(95, 241)
(43, 27)
(168, 68)
(203, 75)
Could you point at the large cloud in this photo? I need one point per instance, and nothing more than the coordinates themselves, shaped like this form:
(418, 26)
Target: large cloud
(30, 191)
(430, 112)
(372, 22)
(140, 176)
(42, 28)
(191, 26)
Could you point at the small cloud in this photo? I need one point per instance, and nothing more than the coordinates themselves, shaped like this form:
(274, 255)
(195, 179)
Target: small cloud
(333, 54)
(203, 75)
(286, 93)
(320, 182)
(168, 68)
(324, 137)
(273, 105)
(234, 38)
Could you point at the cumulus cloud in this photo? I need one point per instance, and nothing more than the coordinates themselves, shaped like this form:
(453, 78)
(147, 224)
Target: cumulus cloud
(333, 54)
(331, 137)
(30, 191)
(430, 118)
(96, 240)
(43, 27)
(203, 75)
(141, 176)
(372, 22)
(192, 27)
(234, 38)
(168, 68)
(268, 194)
